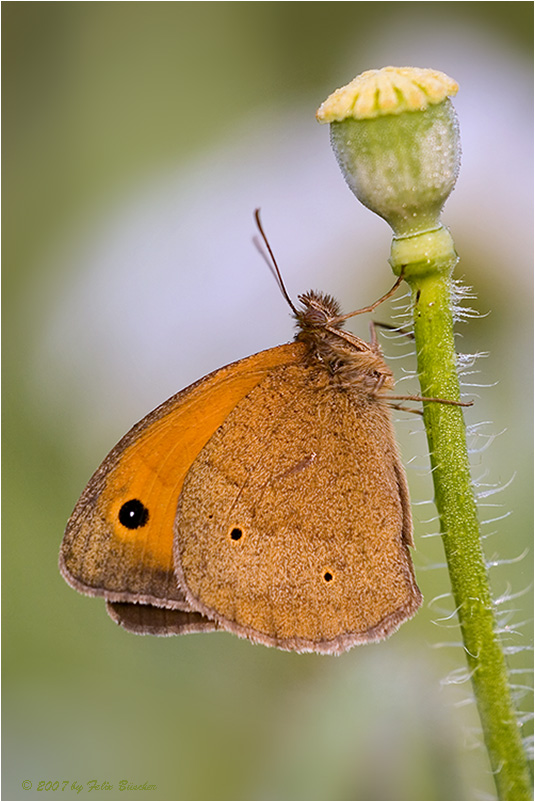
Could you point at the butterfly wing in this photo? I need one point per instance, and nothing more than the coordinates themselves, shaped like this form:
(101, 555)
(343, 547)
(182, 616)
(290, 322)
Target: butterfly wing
(146, 619)
(119, 539)
(293, 523)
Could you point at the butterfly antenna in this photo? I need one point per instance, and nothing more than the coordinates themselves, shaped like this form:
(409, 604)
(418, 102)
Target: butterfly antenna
(274, 261)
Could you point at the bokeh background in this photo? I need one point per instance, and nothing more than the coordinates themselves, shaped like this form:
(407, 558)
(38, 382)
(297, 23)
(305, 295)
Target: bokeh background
(137, 140)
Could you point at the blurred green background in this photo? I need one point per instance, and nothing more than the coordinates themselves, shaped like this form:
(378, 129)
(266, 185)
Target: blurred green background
(137, 140)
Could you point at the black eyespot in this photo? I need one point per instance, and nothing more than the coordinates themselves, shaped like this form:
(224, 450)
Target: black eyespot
(328, 576)
(133, 514)
(236, 534)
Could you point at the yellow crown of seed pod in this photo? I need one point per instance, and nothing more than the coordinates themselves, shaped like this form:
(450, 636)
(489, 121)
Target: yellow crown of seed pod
(390, 90)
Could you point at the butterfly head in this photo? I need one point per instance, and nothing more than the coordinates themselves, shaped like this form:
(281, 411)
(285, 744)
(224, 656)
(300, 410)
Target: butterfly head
(319, 311)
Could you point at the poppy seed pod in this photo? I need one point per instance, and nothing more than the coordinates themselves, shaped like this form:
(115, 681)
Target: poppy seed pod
(395, 135)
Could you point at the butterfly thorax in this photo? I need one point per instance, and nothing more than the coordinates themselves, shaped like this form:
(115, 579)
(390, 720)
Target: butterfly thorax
(349, 361)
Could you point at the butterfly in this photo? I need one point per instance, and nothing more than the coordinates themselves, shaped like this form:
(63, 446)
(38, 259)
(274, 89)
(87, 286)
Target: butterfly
(267, 499)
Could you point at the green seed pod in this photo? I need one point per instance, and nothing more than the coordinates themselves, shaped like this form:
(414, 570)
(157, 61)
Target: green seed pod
(396, 138)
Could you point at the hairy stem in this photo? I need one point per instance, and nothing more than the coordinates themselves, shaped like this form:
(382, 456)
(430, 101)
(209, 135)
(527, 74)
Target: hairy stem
(428, 261)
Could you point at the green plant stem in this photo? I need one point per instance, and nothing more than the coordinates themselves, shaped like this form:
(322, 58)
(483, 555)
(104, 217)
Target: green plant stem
(428, 261)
